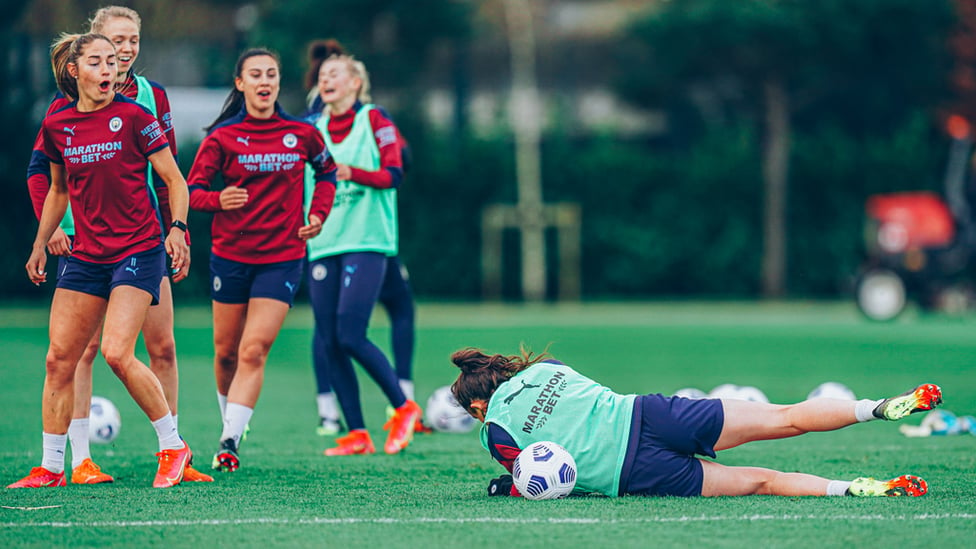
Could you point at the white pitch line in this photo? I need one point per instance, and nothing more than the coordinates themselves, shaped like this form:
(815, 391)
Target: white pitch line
(487, 520)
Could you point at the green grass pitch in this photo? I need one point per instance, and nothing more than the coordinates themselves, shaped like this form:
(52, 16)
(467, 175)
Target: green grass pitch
(287, 494)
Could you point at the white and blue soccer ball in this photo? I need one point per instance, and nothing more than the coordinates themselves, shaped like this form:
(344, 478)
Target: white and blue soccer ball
(691, 392)
(104, 421)
(725, 390)
(832, 389)
(738, 392)
(752, 394)
(544, 470)
(444, 414)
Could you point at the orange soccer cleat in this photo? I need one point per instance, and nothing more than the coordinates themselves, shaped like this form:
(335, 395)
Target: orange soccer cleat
(40, 477)
(172, 466)
(89, 473)
(401, 427)
(924, 397)
(905, 485)
(192, 475)
(357, 442)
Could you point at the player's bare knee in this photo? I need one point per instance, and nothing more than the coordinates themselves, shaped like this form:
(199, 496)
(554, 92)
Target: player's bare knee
(254, 353)
(59, 359)
(59, 371)
(162, 353)
(117, 356)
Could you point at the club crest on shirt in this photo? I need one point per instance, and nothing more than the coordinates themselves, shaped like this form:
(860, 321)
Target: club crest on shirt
(115, 124)
(289, 140)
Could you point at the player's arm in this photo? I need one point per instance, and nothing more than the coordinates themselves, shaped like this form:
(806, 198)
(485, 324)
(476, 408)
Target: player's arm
(55, 204)
(390, 174)
(38, 182)
(504, 449)
(179, 201)
(324, 172)
(206, 166)
(165, 117)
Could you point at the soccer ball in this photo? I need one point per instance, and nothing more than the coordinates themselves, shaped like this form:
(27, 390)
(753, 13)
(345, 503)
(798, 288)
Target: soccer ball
(691, 392)
(832, 389)
(753, 394)
(445, 415)
(726, 390)
(104, 421)
(544, 470)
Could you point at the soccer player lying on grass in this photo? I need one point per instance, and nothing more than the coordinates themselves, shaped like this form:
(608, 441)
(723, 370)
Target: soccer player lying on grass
(646, 444)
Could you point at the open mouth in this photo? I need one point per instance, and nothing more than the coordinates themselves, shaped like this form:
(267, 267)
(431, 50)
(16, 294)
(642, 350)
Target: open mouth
(105, 85)
(264, 94)
(124, 59)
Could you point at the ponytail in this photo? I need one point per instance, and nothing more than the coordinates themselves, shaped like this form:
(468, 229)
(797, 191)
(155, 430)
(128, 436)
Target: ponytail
(232, 105)
(481, 374)
(235, 100)
(318, 52)
(65, 51)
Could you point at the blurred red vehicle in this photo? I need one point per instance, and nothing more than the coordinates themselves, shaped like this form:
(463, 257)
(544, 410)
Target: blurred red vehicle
(920, 245)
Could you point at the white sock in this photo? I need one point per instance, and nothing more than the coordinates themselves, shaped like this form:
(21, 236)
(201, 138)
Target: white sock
(78, 437)
(328, 406)
(54, 445)
(407, 387)
(864, 410)
(222, 402)
(169, 437)
(236, 418)
(176, 422)
(838, 487)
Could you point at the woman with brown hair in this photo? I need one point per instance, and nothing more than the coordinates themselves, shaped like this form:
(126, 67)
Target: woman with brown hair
(647, 444)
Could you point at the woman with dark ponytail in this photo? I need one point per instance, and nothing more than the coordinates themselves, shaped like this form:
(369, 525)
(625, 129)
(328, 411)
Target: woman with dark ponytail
(647, 444)
(259, 230)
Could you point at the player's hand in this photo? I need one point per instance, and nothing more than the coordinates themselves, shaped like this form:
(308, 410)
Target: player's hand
(501, 486)
(59, 243)
(343, 173)
(311, 230)
(35, 265)
(232, 198)
(177, 249)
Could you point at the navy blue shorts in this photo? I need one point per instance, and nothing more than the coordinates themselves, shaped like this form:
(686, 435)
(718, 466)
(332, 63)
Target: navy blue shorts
(144, 270)
(236, 282)
(661, 455)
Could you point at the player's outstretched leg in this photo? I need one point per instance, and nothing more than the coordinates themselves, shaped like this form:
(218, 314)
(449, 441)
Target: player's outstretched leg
(924, 397)
(905, 485)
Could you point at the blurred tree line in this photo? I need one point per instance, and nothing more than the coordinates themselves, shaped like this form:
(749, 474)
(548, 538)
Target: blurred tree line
(782, 117)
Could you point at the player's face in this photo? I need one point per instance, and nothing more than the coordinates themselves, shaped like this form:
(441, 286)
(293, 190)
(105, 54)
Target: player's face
(336, 82)
(260, 83)
(124, 33)
(95, 70)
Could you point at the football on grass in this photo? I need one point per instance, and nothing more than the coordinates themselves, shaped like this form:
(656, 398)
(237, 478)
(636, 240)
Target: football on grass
(832, 389)
(544, 470)
(104, 421)
(444, 414)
